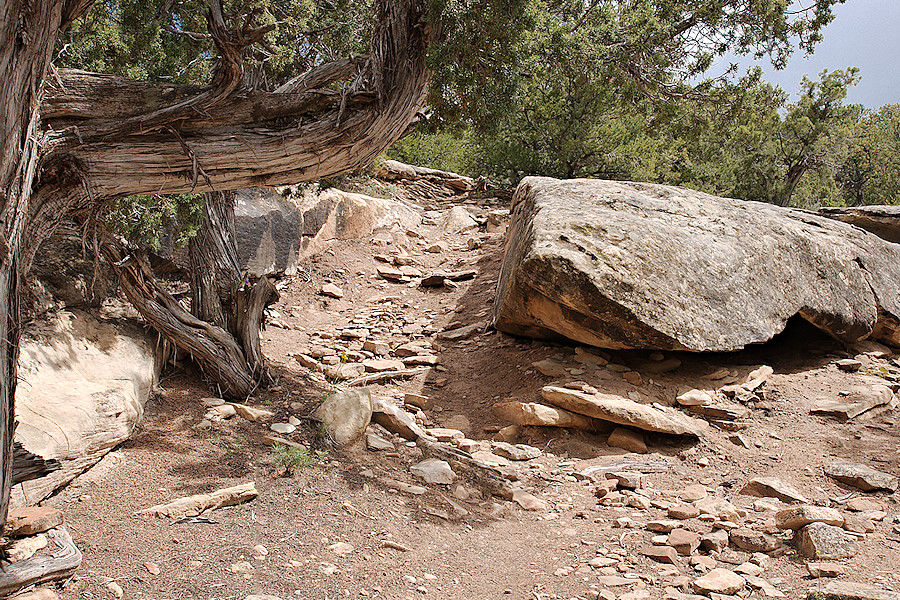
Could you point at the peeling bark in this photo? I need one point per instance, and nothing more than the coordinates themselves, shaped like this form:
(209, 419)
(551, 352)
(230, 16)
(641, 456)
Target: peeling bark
(219, 294)
(71, 140)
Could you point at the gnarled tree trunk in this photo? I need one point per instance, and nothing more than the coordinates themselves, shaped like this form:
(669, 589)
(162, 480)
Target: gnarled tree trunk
(219, 292)
(72, 141)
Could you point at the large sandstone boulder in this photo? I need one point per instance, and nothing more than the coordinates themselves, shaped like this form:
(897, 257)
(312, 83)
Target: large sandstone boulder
(274, 232)
(82, 388)
(632, 265)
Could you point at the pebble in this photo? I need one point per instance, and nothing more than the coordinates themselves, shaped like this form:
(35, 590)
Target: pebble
(242, 567)
(683, 511)
(341, 548)
(283, 428)
(632, 377)
(694, 398)
(330, 289)
(115, 589)
(851, 365)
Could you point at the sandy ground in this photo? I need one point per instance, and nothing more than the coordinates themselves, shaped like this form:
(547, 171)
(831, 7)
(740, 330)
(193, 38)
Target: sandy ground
(458, 542)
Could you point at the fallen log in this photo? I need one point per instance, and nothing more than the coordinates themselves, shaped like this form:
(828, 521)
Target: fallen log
(384, 376)
(191, 506)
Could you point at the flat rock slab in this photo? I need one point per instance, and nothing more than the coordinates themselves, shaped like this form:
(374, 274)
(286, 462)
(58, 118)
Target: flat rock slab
(515, 451)
(395, 419)
(882, 220)
(533, 413)
(633, 265)
(622, 411)
(855, 402)
(798, 517)
(773, 487)
(663, 554)
(860, 476)
(719, 581)
(31, 520)
(75, 406)
(380, 365)
(848, 590)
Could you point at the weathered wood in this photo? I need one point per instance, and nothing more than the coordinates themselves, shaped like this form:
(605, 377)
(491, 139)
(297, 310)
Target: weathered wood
(28, 466)
(192, 506)
(385, 376)
(249, 138)
(214, 267)
(251, 301)
(213, 348)
(42, 568)
(323, 75)
(23, 68)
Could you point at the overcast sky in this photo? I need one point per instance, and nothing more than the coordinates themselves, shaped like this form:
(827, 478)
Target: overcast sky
(864, 34)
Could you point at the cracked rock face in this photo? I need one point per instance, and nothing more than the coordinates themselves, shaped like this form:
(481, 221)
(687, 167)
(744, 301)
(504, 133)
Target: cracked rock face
(631, 265)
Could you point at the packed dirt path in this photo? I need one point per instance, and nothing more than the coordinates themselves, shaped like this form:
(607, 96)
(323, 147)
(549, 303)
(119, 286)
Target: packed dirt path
(338, 527)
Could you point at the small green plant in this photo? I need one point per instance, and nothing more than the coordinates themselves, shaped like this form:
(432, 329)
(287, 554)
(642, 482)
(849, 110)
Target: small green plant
(292, 458)
(880, 371)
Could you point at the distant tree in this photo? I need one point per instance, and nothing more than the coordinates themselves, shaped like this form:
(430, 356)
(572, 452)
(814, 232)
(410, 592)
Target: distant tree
(870, 171)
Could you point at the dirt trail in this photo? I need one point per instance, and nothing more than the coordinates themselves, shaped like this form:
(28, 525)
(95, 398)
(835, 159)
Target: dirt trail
(322, 532)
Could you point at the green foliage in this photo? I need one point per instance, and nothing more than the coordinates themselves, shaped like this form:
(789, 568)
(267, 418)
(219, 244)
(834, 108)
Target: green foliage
(292, 458)
(143, 220)
(870, 170)
(770, 151)
(161, 40)
(445, 150)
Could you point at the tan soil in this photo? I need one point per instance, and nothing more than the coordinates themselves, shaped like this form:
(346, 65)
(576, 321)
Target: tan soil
(497, 550)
